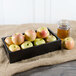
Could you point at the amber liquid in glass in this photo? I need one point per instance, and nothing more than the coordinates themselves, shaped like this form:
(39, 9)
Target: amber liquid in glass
(63, 33)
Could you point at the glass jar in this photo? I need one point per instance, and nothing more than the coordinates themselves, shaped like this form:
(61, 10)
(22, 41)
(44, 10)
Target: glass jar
(63, 29)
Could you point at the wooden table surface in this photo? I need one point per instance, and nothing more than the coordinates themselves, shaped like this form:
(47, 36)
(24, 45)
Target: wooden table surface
(65, 69)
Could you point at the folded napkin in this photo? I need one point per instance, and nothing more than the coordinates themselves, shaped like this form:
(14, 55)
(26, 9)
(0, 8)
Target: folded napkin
(61, 56)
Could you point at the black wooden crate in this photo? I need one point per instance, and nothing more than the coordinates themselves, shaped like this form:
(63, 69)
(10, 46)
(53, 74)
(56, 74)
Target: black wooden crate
(33, 51)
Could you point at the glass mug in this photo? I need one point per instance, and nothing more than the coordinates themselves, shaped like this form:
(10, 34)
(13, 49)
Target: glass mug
(63, 29)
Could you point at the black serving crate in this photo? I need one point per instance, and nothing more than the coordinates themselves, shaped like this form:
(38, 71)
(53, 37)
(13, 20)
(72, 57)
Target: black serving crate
(32, 51)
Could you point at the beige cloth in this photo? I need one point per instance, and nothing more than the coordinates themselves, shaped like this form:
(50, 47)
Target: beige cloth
(7, 69)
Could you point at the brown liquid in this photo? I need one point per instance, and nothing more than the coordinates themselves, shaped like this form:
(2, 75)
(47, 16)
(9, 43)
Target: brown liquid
(63, 33)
